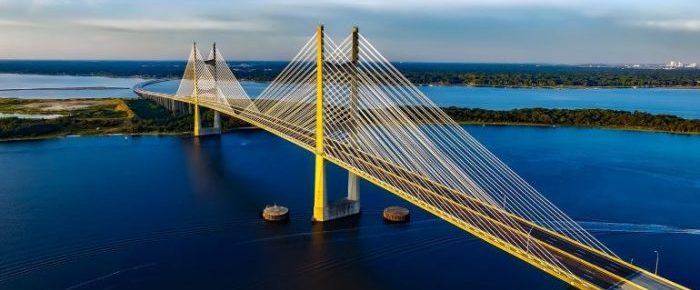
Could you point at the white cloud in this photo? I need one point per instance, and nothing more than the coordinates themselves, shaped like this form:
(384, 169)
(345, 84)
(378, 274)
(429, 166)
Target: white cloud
(691, 25)
(4, 22)
(64, 2)
(178, 24)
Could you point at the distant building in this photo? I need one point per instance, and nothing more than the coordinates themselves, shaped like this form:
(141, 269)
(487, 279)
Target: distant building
(677, 64)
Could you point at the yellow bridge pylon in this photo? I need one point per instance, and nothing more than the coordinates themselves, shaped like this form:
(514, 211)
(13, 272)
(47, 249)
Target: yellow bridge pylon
(323, 211)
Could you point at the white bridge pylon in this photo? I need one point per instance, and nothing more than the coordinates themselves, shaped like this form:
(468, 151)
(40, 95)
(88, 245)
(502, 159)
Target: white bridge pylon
(347, 104)
(215, 84)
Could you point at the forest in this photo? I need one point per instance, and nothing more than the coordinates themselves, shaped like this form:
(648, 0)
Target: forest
(471, 74)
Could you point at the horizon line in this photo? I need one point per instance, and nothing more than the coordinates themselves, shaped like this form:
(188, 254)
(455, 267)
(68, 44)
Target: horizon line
(401, 61)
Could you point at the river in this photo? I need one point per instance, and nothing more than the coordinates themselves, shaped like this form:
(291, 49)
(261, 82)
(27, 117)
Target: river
(170, 212)
(175, 213)
(679, 102)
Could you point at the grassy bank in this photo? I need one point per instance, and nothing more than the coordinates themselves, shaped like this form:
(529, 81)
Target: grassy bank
(96, 117)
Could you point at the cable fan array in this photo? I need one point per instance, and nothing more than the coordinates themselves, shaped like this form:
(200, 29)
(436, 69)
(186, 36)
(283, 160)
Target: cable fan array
(216, 86)
(382, 127)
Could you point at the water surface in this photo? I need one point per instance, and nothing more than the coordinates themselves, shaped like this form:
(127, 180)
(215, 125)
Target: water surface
(681, 102)
(28, 86)
(175, 213)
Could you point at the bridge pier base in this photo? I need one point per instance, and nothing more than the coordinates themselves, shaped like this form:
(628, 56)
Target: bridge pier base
(327, 211)
(200, 131)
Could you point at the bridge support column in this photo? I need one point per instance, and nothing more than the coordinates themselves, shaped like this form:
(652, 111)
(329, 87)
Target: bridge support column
(198, 129)
(323, 210)
(353, 186)
(197, 122)
(320, 205)
(217, 121)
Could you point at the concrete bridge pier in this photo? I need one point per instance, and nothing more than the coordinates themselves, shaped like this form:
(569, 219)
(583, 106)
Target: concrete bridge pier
(200, 130)
(217, 121)
(325, 210)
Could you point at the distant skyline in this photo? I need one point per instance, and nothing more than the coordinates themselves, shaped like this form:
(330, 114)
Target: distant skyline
(504, 31)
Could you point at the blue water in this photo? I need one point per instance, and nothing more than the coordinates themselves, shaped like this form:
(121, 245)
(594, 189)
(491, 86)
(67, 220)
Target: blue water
(28, 81)
(175, 213)
(170, 87)
(680, 102)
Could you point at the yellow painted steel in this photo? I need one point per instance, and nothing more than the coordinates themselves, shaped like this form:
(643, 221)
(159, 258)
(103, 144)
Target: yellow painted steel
(194, 92)
(320, 168)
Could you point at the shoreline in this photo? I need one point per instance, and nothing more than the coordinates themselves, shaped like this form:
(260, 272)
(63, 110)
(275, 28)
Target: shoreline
(490, 124)
(435, 84)
(140, 117)
(612, 128)
(100, 88)
(145, 134)
(562, 87)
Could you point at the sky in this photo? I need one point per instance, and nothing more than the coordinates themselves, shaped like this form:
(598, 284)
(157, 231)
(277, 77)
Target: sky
(502, 31)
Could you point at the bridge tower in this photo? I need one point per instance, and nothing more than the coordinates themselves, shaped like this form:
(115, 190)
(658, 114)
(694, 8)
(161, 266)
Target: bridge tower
(353, 186)
(323, 210)
(216, 129)
(211, 65)
(197, 122)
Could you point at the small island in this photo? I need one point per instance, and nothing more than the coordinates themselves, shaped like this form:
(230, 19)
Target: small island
(36, 119)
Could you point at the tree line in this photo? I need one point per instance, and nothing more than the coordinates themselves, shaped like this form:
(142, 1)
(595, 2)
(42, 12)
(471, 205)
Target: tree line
(495, 75)
(577, 117)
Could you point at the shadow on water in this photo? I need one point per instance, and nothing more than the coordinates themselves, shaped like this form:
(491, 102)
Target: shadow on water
(212, 180)
(327, 259)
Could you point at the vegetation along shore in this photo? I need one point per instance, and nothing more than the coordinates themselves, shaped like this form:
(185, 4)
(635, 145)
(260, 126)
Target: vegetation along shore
(34, 119)
(470, 74)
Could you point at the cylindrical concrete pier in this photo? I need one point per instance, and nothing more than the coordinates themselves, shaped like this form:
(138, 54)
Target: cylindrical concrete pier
(396, 214)
(275, 213)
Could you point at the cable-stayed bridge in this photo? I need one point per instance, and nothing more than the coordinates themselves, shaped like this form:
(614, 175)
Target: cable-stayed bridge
(346, 104)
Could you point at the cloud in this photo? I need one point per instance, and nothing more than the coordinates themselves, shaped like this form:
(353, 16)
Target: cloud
(690, 25)
(41, 3)
(4, 22)
(178, 24)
